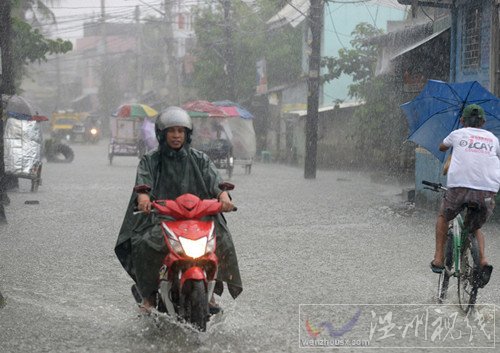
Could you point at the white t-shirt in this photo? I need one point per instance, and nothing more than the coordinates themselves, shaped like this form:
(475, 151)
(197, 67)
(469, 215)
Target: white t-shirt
(475, 160)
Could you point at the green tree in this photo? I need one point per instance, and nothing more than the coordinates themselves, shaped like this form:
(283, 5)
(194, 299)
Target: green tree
(28, 43)
(29, 46)
(20, 44)
(251, 42)
(358, 62)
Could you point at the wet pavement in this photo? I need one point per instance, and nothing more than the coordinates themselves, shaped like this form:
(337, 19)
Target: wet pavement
(348, 245)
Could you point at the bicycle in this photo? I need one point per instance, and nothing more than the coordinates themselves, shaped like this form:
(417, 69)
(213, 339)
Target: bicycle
(461, 257)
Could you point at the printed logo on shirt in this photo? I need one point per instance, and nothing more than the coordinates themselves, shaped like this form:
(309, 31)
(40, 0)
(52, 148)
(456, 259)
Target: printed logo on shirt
(478, 144)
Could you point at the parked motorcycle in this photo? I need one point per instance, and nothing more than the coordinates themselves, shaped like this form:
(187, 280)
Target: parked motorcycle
(187, 277)
(57, 152)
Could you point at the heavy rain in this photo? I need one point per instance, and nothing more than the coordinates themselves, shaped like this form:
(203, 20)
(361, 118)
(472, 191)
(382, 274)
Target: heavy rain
(325, 116)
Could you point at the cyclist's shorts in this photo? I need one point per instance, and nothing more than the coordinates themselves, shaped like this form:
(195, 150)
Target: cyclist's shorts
(454, 201)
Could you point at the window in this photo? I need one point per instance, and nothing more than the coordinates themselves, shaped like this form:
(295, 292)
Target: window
(471, 38)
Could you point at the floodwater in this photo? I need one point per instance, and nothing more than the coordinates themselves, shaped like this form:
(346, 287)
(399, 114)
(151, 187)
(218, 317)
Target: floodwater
(345, 242)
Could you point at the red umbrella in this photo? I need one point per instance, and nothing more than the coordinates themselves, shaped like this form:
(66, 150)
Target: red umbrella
(205, 107)
(234, 109)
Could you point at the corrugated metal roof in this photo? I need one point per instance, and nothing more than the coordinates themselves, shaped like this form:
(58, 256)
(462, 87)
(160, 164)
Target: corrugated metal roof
(292, 13)
(419, 43)
(302, 112)
(430, 3)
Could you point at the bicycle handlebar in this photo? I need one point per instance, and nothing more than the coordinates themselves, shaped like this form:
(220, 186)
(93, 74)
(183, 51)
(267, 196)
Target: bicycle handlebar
(434, 186)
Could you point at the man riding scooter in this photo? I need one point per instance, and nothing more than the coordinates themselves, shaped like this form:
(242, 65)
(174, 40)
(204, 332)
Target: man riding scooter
(92, 129)
(172, 170)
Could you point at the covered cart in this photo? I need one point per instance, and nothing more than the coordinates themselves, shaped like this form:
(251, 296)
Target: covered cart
(23, 140)
(129, 127)
(240, 124)
(223, 134)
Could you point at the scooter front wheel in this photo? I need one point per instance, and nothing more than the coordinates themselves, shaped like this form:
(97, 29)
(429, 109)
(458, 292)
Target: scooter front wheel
(196, 303)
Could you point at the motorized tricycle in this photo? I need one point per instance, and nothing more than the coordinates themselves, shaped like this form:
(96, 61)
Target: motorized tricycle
(67, 125)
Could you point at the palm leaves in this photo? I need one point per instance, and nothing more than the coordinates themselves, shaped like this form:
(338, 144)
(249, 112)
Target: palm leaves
(38, 11)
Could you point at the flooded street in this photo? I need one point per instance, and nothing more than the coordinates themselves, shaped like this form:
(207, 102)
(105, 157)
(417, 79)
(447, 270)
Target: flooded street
(338, 239)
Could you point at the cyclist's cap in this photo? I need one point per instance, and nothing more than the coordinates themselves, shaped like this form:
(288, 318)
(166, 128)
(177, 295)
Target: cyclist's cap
(473, 111)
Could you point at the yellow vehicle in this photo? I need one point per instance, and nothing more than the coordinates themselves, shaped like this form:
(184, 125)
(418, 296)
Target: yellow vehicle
(68, 125)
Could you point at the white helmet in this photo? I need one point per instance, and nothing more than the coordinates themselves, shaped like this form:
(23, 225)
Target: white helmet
(172, 116)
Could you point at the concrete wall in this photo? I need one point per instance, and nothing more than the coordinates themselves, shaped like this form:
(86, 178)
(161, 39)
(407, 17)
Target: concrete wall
(336, 146)
(427, 167)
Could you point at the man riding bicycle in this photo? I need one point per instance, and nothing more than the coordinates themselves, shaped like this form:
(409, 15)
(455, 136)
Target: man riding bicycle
(473, 177)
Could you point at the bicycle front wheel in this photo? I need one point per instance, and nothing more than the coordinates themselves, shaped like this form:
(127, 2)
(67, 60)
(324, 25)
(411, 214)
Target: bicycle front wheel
(467, 288)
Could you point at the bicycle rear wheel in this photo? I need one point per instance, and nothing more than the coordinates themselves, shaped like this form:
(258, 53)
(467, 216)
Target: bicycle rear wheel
(467, 286)
(444, 277)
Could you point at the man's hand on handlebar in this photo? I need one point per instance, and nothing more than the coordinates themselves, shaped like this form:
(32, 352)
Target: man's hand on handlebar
(227, 205)
(144, 203)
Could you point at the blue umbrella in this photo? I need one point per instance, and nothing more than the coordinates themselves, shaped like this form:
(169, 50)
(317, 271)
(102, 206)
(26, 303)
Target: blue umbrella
(436, 112)
(245, 114)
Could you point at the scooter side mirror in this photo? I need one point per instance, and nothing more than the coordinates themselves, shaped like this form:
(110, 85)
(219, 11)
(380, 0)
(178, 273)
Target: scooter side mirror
(142, 189)
(226, 186)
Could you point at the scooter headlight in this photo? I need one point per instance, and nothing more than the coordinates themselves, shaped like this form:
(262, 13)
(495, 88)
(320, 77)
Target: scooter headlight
(93, 131)
(194, 248)
(173, 240)
(176, 246)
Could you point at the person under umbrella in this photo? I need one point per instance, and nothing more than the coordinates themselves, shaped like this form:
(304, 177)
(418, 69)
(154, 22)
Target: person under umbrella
(473, 176)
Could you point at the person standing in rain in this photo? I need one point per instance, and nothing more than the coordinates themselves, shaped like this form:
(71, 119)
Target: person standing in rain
(473, 176)
(172, 170)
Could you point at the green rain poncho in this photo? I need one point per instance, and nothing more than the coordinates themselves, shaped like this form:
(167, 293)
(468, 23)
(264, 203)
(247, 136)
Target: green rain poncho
(140, 246)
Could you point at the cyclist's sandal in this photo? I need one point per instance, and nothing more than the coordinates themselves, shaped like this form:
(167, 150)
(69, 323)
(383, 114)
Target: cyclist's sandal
(436, 269)
(483, 276)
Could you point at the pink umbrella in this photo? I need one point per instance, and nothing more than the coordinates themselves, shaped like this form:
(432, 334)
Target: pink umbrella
(205, 107)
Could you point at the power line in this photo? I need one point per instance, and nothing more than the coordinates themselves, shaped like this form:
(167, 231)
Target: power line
(333, 25)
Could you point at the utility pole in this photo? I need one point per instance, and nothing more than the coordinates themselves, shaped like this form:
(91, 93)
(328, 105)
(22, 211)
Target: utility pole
(313, 81)
(104, 98)
(6, 87)
(229, 52)
(138, 55)
(170, 65)
(58, 82)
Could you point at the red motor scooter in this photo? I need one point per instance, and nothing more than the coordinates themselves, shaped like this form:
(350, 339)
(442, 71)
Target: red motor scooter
(187, 277)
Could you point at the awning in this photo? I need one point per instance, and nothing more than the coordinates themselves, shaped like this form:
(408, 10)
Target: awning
(431, 3)
(420, 43)
(303, 113)
(85, 103)
(292, 13)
